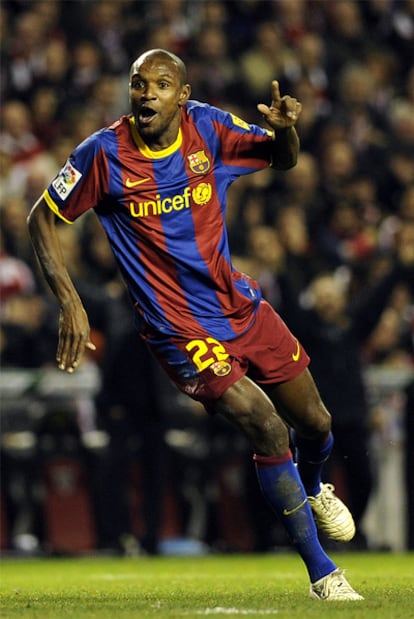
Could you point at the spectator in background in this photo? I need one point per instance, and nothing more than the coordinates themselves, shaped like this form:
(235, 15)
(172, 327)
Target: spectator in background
(382, 64)
(86, 67)
(401, 35)
(293, 19)
(15, 276)
(354, 108)
(337, 166)
(99, 264)
(316, 115)
(214, 71)
(345, 37)
(308, 62)
(347, 238)
(79, 122)
(16, 241)
(130, 378)
(106, 26)
(262, 61)
(177, 21)
(300, 259)
(45, 107)
(302, 189)
(17, 136)
(108, 98)
(26, 54)
(267, 255)
(252, 201)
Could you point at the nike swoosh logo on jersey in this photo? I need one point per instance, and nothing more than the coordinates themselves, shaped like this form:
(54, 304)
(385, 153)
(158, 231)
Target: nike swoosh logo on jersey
(289, 512)
(296, 355)
(131, 184)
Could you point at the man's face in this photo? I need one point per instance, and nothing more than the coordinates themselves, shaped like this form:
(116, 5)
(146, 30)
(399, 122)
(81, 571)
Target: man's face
(329, 299)
(157, 95)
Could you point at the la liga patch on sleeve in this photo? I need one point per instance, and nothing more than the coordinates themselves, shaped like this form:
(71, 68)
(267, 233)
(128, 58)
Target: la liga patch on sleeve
(66, 180)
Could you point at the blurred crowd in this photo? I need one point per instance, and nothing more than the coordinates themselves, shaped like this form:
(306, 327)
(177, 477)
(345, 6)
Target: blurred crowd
(331, 241)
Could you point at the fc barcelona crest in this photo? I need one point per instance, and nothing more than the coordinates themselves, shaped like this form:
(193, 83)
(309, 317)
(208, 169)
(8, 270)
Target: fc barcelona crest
(221, 368)
(198, 162)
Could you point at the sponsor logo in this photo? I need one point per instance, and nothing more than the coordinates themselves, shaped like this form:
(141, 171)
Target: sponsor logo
(221, 368)
(198, 162)
(296, 355)
(66, 180)
(202, 193)
(161, 206)
(131, 184)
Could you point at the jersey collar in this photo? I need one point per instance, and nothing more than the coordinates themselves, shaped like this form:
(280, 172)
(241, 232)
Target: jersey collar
(146, 151)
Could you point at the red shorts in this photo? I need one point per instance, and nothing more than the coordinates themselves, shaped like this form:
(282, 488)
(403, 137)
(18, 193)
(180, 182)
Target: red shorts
(267, 353)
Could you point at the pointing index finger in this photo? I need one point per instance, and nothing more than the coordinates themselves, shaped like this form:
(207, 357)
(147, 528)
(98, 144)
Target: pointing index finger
(275, 92)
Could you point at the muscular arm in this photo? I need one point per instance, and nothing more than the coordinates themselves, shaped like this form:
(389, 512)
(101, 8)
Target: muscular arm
(285, 149)
(73, 321)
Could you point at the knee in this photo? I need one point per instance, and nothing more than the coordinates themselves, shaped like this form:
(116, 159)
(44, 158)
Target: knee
(264, 429)
(316, 421)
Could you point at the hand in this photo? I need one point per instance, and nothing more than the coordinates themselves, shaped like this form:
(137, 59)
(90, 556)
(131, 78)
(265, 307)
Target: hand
(73, 336)
(283, 112)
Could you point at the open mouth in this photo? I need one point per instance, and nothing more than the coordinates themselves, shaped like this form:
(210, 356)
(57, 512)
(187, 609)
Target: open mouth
(146, 115)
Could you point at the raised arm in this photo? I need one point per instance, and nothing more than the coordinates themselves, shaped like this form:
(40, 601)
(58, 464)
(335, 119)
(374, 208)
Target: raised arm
(281, 116)
(73, 322)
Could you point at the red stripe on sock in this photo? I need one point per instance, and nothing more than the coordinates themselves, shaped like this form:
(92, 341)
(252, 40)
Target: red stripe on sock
(263, 461)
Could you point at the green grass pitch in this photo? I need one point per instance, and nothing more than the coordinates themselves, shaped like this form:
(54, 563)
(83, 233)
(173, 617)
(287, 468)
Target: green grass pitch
(256, 586)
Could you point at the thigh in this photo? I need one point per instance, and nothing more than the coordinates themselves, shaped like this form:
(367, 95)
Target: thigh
(299, 403)
(248, 407)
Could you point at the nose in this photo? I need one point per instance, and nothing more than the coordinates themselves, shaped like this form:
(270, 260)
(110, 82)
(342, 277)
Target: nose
(148, 93)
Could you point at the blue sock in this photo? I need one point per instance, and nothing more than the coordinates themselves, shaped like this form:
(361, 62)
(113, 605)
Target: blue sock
(311, 456)
(282, 487)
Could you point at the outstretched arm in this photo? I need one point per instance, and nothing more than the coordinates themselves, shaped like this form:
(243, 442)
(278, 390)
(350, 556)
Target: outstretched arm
(281, 116)
(73, 322)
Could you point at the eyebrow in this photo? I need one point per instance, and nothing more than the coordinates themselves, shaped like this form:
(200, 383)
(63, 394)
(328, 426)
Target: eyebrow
(162, 76)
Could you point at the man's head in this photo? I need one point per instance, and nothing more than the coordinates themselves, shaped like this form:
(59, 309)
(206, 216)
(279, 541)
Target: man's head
(157, 91)
(329, 297)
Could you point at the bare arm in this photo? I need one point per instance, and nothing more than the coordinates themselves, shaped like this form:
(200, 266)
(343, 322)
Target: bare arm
(281, 116)
(73, 322)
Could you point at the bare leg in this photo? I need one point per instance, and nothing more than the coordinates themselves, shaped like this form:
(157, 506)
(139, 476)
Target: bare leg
(248, 407)
(299, 403)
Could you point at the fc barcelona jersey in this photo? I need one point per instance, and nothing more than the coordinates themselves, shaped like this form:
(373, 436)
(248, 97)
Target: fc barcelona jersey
(164, 216)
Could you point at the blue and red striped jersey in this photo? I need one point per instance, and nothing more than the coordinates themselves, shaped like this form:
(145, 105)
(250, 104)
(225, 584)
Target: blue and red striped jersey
(164, 215)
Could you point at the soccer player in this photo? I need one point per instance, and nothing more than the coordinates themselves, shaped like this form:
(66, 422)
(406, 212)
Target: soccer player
(157, 179)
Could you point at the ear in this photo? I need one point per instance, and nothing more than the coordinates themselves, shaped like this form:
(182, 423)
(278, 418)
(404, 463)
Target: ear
(184, 95)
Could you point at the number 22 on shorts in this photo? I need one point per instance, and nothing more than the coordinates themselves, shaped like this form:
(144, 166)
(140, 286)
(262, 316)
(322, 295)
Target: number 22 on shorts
(206, 352)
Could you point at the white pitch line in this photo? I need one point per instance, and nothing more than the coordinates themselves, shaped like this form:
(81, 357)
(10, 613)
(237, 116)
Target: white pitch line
(220, 610)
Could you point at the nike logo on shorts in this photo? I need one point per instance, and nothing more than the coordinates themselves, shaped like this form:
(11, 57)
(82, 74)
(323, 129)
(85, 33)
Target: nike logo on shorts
(296, 355)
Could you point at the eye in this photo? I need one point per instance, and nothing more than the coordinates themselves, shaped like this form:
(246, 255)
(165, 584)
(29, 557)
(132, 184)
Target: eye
(137, 84)
(163, 85)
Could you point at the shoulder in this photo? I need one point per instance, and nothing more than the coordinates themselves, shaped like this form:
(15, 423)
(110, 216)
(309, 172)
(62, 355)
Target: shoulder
(203, 112)
(106, 136)
(120, 125)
